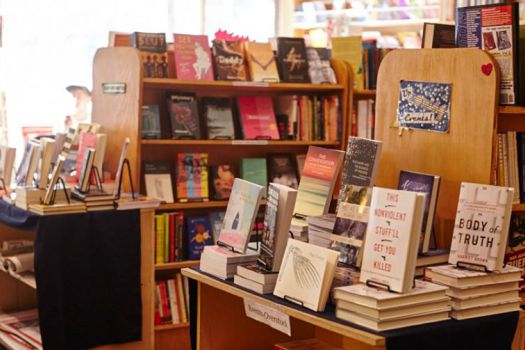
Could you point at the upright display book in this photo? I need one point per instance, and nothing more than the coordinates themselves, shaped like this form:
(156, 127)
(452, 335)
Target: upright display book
(282, 170)
(219, 117)
(27, 166)
(153, 52)
(222, 177)
(319, 68)
(392, 238)
(438, 36)
(151, 122)
(481, 227)
(157, 178)
(199, 235)
(291, 56)
(229, 60)
(240, 215)
(494, 28)
(7, 160)
(261, 62)
(192, 57)
(428, 184)
(277, 218)
(85, 175)
(192, 177)
(306, 274)
(257, 117)
(184, 116)
(350, 49)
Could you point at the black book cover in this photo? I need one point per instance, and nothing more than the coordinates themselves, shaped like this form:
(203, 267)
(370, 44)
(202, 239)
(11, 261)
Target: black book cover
(153, 53)
(229, 60)
(219, 117)
(151, 128)
(222, 177)
(184, 116)
(291, 55)
(282, 170)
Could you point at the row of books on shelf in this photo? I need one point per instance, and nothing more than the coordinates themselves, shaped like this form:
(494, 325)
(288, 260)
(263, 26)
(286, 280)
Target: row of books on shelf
(194, 177)
(20, 330)
(172, 301)
(362, 122)
(511, 163)
(293, 117)
(231, 58)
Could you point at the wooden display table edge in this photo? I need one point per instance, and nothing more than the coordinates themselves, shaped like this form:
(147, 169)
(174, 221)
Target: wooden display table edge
(339, 328)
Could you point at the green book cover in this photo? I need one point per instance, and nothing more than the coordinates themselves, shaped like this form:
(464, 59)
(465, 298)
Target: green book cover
(254, 170)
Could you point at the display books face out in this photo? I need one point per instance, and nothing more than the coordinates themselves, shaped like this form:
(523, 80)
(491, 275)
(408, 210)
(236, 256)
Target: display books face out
(257, 117)
(277, 218)
(428, 184)
(7, 160)
(192, 57)
(515, 253)
(153, 52)
(282, 170)
(150, 122)
(229, 60)
(157, 178)
(240, 215)
(184, 116)
(219, 117)
(27, 166)
(192, 177)
(216, 219)
(481, 226)
(254, 170)
(452, 276)
(392, 237)
(291, 56)
(85, 175)
(222, 177)
(306, 274)
(319, 68)
(261, 62)
(198, 230)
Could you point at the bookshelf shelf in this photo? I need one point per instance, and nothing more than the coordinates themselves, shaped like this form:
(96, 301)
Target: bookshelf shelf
(511, 110)
(176, 265)
(242, 143)
(360, 94)
(193, 205)
(165, 327)
(518, 207)
(27, 279)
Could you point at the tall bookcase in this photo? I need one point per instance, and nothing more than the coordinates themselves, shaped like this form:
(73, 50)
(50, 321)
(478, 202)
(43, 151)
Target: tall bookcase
(120, 116)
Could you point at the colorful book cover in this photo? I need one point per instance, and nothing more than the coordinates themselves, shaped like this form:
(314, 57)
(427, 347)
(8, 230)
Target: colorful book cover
(240, 215)
(229, 60)
(261, 62)
(199, 235)
(319, 68)
(216, 219)
(184, 116)
(257, 117)
(86, 140)
(192, 177)
(291, 55)
(222, 177)
(282, 170)
(481, 226)
(254, 170)
(157, 178)
(350, 49)
(150, 122)
(515, 253)
(494, 28)
(192, 57)
(219, 117)
(153, 52)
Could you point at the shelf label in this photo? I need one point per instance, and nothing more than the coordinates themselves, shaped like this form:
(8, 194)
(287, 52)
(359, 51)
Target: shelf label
(249, 142)
(250, 83)
(269, 315)
(114, 88)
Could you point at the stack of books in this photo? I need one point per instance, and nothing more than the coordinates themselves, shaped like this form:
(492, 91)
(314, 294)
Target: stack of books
(253, 277)
(24, 196)
(345, 275)
(299, 229)
(58, 208)
(95, 200)
(475, 293)
(320, 228)
(139, 202)
(171, 301)
(381, 310)
(222, 263)
(433, 257)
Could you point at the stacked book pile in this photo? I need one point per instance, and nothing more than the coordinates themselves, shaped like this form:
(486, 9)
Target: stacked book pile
(251, 276)
(345, 275)
(475, 293)
(58, 208)
(171, 301)
(222, 263)
(320, 228)
(32, 195)
(432, 257)
(95, 200)
(299, 229)
(382, 310)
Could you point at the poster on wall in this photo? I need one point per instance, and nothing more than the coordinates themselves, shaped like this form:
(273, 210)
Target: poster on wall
(424, 105)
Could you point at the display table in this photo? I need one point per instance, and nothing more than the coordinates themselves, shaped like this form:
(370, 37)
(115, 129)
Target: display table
(221, 323)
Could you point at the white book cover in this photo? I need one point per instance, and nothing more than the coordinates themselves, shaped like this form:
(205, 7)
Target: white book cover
(390, 249)
(481, 226)
(306, 274)
(240, 214)
(159, 186)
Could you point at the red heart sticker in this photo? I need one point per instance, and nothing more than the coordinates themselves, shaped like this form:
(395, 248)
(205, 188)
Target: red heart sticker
(486, 68)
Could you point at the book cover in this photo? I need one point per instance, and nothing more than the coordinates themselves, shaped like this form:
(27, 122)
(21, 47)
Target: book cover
(392, 237)
(515, 252)
(240, 215)
(350, 49)
(428, 184)
(157, 178)
(184, 116)
(192, 57)
(319, 68)
(461, 278)
(291, 57)
(282, 170)
(261, 62)
(254, 170)
(86, 140)
(438, 36)
(216, 219)
(7, 160)
(192, 177)
(153, 52)
(198, 231)
(229, 60)
(222, 177)
(150, 122)
(219, 117)
(480, 229)
(257, 117)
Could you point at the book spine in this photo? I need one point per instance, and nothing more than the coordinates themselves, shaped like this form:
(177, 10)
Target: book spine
(159, 254)
(174, 307)
(500, 175)
(505, 160)
(181, 299)
(172, 225)
(180, 236)
(166, 238)
(157, 316)
(520, 136)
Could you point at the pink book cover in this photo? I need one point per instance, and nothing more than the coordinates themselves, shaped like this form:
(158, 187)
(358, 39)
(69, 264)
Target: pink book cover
(192, 57)
(257, 117)
(86, 140)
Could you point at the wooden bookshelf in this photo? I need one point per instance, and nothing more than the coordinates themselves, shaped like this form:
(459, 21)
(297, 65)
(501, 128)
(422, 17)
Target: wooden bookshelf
(193, 205)
(166, 327)
(238, 143)
(176, 265)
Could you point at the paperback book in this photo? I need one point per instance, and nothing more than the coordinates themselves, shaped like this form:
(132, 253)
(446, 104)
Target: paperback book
(198, 230)
(291, 57)
(229, 60)
(151, 122)
(192, 57)
(257, 117)
(222, 177)
(184, 116)
(153, 53)
(282, 170)
(219, 118)
(319, 68)
(192, 177)
(254, 170)
(157, 178)
(261, 62)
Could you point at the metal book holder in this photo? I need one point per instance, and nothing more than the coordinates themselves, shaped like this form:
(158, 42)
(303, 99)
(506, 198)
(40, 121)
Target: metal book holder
(127, 165)
(472, 266)
(54, 193)
(94, 174)
(293, 300)
(385, 286)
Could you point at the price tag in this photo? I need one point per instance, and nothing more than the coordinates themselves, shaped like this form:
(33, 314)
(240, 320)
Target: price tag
(250, 83)
(114, 88)
(271, 316)
(249, 142)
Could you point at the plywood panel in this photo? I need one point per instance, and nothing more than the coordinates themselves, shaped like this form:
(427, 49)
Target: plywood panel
(463, 154)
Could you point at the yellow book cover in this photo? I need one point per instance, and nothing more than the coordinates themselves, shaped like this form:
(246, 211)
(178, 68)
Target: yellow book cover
(261, 62)
(350, 49)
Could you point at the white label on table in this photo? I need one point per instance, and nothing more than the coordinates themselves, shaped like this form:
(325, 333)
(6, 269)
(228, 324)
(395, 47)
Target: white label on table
(269, 315)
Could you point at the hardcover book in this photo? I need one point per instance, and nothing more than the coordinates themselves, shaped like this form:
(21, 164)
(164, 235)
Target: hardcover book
(192, 57)
(219, 117)
(515, 252)
(240, 215)
(254, 170)
(151, 122)
(198, 235)
(261, 62)
(291, 56)
(229, 60)
(438, 36)
(222, 177)
(319, 68)
(257, 117)
(451, 276)
(184, 116)
(192, 177)
(153, 52)
(392, 238)
(282, 170)
(157, 178)
(428, 184)
(481, 226)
